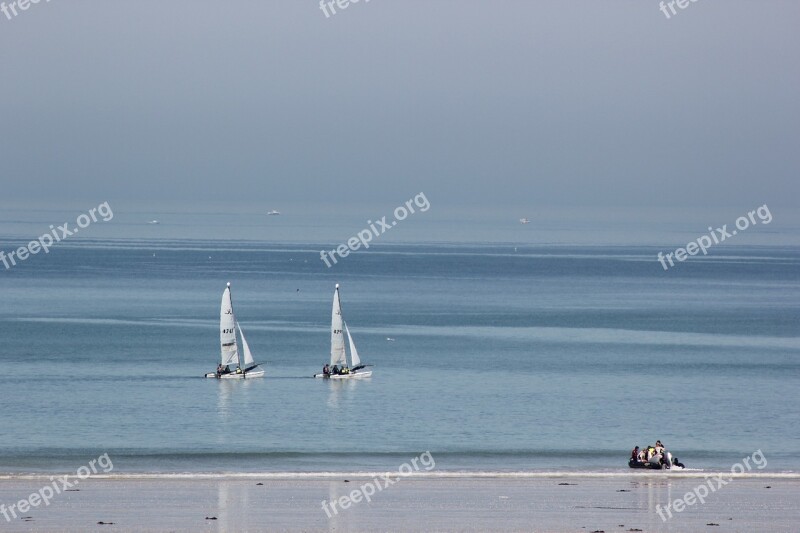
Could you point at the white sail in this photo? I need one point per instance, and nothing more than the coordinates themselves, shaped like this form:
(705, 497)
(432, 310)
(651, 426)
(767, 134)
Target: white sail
(227, 331)
(354, 359)
(337, 336)
(248, 357)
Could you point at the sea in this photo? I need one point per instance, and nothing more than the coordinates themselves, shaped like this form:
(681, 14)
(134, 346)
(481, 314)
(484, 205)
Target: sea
(497, 346)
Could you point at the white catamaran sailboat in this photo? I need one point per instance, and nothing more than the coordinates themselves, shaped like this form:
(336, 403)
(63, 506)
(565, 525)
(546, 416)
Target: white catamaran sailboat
(338, 355)
(247, 367)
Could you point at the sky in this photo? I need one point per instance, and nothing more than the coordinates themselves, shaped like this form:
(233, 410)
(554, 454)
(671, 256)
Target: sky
(489, 104)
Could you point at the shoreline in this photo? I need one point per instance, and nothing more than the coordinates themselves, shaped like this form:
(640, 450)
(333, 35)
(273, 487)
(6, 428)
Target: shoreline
(326, 476)
(461, 502)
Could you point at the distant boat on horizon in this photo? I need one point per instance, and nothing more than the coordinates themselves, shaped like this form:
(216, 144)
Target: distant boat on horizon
(524, 221)
(273, 212)
(154, 222)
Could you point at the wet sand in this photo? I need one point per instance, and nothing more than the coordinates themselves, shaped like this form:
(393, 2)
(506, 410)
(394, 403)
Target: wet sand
(558, 503)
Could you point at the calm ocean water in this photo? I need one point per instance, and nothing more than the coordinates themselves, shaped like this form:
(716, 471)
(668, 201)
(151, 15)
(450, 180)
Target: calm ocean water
(507, 355)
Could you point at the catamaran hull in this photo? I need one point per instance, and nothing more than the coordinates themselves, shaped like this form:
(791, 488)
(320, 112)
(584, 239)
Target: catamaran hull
(234, 375)
(352, 375)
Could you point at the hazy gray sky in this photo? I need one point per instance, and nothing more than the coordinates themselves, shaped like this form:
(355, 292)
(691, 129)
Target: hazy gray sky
(532, 103)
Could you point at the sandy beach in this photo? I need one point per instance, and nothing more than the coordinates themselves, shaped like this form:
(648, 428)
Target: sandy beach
(555, 503)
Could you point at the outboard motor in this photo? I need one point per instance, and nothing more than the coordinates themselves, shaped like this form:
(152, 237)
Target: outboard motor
(667, 460)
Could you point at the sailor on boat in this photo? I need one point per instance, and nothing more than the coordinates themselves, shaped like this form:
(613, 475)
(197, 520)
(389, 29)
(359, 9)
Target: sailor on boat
(651, 451)
(326, 370)
(635, 454)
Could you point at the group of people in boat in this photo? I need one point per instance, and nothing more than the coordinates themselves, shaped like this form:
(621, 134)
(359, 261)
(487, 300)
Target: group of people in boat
(335, 371)
(222, 369)
(644, 455)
